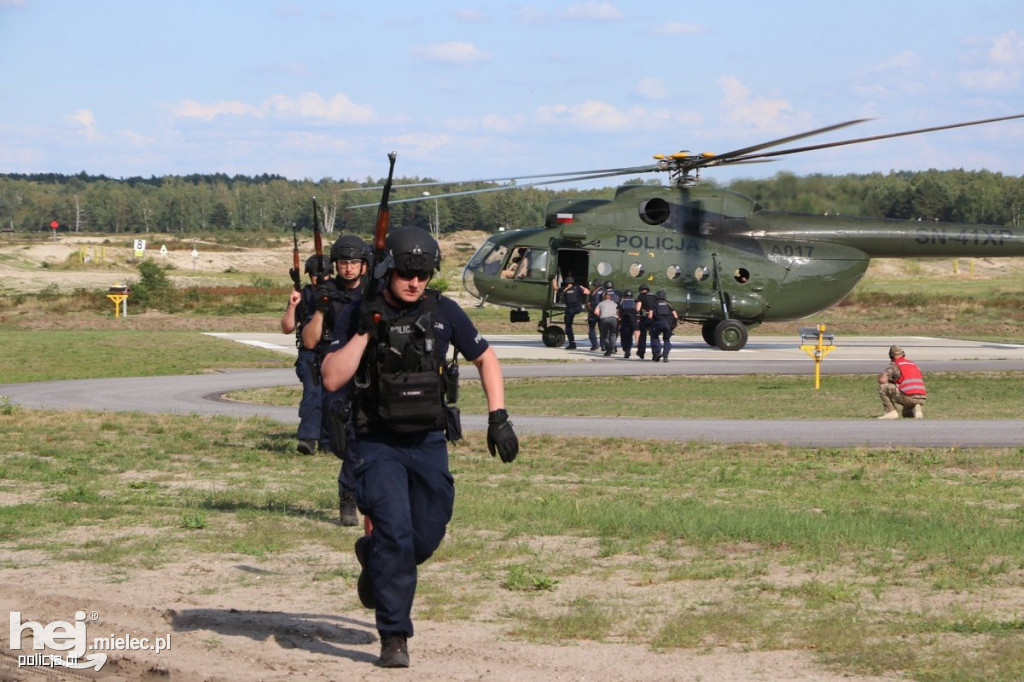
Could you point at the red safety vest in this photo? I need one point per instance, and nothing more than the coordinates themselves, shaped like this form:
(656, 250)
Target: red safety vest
(911, 382)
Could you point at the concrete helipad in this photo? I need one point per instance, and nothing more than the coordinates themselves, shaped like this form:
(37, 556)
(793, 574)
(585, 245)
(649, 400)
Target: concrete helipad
(766, 354)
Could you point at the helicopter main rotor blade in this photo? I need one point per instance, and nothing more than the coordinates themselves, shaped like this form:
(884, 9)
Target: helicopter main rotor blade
(719, 159)
(510, 178)
(593, 176)
(859, 140)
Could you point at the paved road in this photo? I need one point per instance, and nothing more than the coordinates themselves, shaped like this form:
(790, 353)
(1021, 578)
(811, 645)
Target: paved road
(201, 394)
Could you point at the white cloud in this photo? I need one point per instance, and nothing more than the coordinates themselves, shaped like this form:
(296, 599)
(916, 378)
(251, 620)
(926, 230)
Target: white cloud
(85, 121)
(190, 108)
(337, 109)
(309, 105)
(473, 15)
(593, 115)
(1007, 50)
(760, 114)
(678, 28)
(418, 144)
(990, 79)
(455, 52)
(652, 88)
(578, 11)
(591, 11)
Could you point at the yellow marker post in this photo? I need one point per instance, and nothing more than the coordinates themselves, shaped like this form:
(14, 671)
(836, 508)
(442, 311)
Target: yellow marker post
(822, 347)
(118, 293)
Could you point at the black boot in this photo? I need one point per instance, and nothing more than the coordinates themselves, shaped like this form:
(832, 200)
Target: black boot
(347, 504)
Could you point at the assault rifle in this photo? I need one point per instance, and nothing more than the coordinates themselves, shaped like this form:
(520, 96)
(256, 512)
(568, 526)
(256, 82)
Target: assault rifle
(378, 266)
(318, 244)
(296, 271)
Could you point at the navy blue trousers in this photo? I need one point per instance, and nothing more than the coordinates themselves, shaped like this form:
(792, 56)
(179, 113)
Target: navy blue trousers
(404, 486)
(661, 335)
(310, 404)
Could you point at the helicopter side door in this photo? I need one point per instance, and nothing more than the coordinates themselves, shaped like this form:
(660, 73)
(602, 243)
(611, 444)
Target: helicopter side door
(573, 263)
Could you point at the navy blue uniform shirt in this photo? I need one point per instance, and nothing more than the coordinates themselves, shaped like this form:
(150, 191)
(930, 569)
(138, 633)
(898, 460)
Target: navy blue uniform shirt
(451, 325)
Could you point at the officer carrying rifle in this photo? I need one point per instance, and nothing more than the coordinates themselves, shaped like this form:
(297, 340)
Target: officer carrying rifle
(393, 343)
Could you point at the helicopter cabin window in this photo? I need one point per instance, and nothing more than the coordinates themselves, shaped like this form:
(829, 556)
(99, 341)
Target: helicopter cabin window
(674, 272)
(526, 263)
(604, 268)
(701, 273)
(636, 269)
(741, 275)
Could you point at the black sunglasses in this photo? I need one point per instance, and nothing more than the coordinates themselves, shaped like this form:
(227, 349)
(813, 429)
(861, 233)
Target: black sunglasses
(422, 275)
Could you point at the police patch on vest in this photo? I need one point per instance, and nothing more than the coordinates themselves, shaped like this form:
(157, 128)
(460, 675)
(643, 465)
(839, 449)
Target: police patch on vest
(411, 401)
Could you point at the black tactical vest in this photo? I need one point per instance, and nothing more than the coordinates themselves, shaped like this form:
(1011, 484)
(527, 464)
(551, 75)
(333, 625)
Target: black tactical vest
(400, 385)
(571, 297)
(628, 309)
(339, 299)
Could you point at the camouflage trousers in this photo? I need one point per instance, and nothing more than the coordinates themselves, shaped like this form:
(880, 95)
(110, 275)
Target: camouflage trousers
(891, 397)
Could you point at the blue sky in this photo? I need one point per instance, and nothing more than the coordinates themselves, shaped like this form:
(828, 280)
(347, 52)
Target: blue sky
(486, 89)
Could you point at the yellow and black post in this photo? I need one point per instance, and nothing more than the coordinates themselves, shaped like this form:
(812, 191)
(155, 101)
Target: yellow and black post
(816, 343)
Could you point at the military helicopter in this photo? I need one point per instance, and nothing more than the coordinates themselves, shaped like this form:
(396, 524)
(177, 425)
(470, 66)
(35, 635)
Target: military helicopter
(724, 262)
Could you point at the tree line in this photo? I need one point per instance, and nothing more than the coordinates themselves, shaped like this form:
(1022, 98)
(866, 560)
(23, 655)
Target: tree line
(210, 203)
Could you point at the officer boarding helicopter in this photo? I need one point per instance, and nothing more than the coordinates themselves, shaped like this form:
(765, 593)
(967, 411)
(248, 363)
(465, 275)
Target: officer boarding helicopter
(724, 262)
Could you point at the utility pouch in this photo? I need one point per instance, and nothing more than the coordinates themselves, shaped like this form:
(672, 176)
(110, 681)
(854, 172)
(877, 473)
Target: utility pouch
(453, 424)
(411, 401)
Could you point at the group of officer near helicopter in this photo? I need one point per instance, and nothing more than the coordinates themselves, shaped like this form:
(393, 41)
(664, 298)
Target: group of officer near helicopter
(619, 319)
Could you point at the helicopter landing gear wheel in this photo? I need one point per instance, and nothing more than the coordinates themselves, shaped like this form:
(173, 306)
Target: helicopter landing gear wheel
(707, 330)
(552, 336)
(730, 335)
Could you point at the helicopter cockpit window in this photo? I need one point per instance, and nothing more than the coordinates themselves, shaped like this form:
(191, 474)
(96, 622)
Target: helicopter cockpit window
(636, 269)
(673, 272)
(604, 268)
(701, 273)
(488, 262)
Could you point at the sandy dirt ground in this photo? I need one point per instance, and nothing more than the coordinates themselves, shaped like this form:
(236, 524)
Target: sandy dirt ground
(244, 619)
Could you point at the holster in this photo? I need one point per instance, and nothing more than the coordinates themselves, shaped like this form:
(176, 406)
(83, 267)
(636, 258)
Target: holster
(453, 424)
(338, 422)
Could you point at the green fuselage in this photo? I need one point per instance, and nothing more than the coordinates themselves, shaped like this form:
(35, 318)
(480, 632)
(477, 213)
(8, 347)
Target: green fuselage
(715, 253)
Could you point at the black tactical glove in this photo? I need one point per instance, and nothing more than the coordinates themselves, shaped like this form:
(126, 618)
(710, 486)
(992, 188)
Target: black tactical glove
(370, 314)
(501, 439)
(323, 295)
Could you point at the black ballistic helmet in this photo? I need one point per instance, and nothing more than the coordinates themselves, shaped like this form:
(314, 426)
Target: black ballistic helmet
(661, 295)
(348, 247)
(609, 284)
(570, 280)
(627, 294)
(644, 287)
(412, 249)
(311, 268)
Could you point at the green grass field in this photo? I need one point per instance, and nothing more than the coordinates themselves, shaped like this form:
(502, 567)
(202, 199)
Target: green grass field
(903, 562)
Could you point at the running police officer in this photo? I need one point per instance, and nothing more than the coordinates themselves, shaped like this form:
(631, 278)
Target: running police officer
(394, 347)
(627, 321)
(663, 321)
(573, 296)
(301, 307)
(644, 305)
(348, 254)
